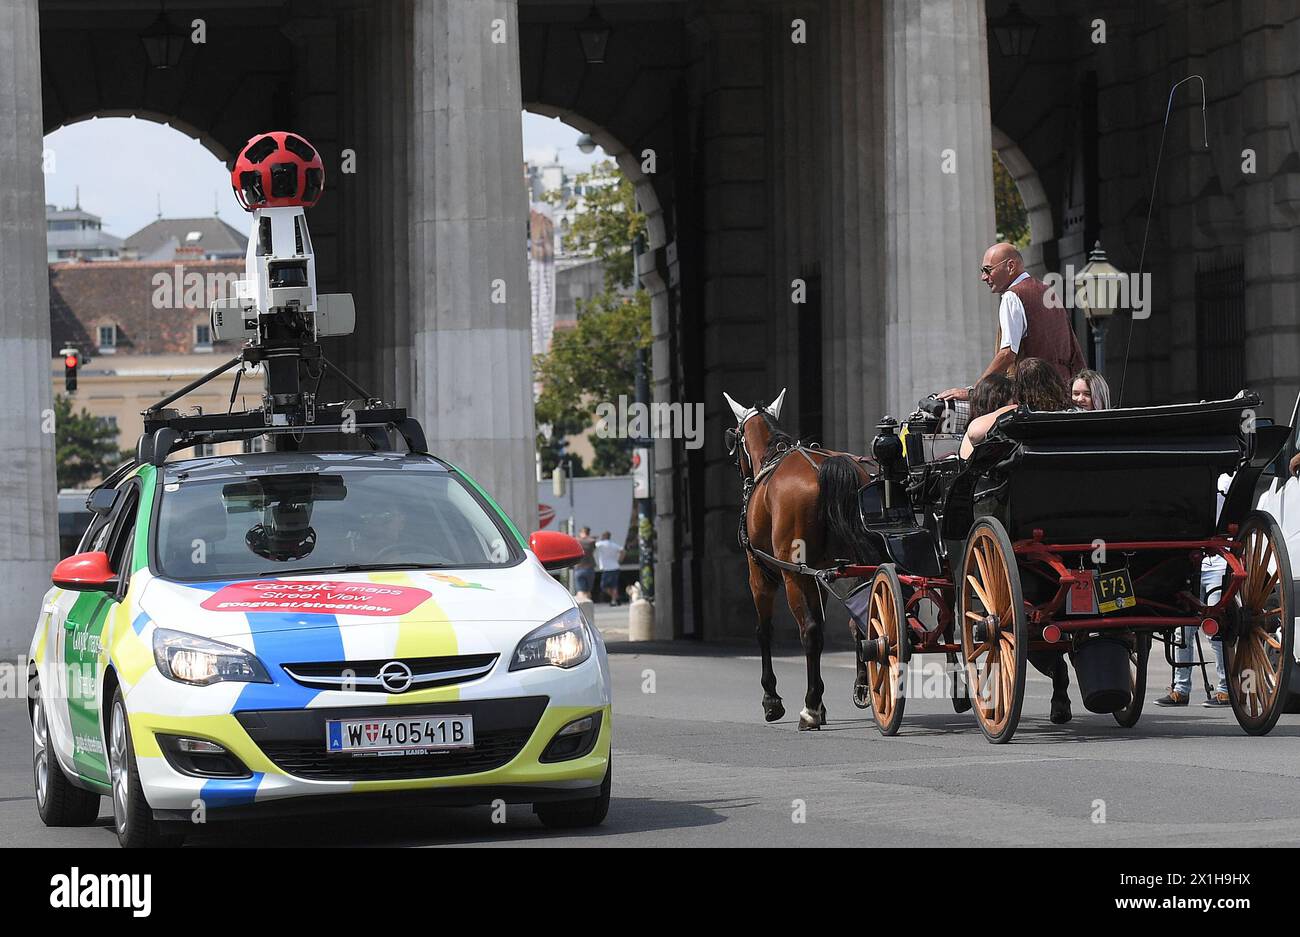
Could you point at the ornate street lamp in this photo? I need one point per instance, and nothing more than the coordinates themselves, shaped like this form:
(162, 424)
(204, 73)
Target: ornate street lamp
(594, 33)
(586, 144)
(1014, 31)
(1098, 291)
(163, 42)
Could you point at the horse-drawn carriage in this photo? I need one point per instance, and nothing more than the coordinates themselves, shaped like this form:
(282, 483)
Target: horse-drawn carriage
(1081, 533)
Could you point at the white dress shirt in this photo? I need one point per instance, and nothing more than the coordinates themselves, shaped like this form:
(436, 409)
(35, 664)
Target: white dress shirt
(1011, 317)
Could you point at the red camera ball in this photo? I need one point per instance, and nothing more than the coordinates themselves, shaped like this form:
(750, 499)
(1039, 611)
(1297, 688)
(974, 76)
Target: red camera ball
(277, 170)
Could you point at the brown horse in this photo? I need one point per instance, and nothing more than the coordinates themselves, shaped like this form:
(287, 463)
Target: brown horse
(802, 508)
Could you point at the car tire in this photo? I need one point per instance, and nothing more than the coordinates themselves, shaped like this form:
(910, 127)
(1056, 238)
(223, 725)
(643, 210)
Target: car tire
(58, 800)
(576, 814)
(133, 818)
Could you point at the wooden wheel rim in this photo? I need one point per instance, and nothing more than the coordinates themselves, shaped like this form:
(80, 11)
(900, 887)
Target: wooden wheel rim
(884, 620)
(986, 589)
(1256, 658)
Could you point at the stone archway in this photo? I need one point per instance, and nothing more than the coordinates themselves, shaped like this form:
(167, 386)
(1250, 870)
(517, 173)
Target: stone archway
(1042, 227)
(207, 140)
(628, 163)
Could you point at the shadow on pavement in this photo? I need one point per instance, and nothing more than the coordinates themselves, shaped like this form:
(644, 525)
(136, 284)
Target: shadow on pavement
(444, 826)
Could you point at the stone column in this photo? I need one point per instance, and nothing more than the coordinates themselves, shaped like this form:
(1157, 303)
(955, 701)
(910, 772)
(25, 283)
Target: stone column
(469, 306)
(855, 364)
(941, 321)
(29, 521)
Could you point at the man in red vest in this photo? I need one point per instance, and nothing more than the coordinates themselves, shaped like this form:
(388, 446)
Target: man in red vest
(1032, 323)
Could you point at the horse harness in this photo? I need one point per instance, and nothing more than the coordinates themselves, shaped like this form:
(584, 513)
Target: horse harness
(766, 561)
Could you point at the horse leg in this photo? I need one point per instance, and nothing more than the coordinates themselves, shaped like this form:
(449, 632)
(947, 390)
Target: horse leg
(805, 603)
(764, 591)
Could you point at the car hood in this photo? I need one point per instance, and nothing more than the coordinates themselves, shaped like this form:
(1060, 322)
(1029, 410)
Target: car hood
(493, 603)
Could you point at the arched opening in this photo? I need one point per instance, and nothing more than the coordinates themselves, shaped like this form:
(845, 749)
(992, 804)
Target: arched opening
(142, 234)
(1033, 196)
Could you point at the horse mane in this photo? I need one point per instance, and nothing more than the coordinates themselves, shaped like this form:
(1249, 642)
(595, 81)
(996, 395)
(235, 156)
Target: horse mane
(777, 437)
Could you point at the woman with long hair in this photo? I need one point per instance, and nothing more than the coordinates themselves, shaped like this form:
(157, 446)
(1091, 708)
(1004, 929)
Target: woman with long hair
(1039, 386)
(1090, 391)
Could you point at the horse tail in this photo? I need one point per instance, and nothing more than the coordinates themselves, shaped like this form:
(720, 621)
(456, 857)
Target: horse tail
(839, 482)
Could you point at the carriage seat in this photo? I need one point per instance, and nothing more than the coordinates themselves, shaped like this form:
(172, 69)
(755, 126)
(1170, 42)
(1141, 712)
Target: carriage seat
(892, 526)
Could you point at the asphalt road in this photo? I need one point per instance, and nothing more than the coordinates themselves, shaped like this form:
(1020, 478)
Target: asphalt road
(696, 765)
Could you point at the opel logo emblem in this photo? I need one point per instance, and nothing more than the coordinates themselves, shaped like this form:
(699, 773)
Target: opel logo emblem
(395, 676)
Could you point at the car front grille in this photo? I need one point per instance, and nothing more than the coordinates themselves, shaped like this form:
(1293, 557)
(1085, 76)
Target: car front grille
(295, 740)
(363, 676)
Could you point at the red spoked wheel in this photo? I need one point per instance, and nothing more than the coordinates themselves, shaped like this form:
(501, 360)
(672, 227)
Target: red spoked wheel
(886, 650)
(994, 629)
(1258, 644)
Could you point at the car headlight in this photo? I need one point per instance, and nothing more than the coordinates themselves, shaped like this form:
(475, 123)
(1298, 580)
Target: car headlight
(187, 658)
(562, 642)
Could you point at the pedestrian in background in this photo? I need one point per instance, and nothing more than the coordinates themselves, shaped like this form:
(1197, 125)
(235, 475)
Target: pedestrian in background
(584, 571)
(1213, 570)
(608, 556)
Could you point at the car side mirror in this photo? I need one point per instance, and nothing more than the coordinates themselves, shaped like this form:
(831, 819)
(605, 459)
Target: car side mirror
(554, 549)
(85, 572)
(101, 501)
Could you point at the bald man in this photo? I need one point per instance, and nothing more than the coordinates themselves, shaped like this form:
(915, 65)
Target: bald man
(1031, 322)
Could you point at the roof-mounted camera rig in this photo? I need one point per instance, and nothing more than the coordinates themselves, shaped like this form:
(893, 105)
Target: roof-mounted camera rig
(280, 317)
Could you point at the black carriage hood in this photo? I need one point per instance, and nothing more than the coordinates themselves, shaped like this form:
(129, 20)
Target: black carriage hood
(1225, 435)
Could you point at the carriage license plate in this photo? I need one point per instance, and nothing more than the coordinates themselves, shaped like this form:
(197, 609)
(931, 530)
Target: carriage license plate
(409, 736)
(1114, 590)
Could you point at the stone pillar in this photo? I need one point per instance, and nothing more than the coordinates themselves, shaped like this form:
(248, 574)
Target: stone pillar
(29, 520)
(941, 321)
(855, 364)
(470, 313)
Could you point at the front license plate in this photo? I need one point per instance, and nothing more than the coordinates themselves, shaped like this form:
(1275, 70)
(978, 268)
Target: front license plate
(411, 735)
(1114, 590)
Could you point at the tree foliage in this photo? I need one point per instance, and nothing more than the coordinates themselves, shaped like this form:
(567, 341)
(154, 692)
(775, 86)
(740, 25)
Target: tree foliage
(1008, 207)
(85, 446)
(595, 361)
(609, 225)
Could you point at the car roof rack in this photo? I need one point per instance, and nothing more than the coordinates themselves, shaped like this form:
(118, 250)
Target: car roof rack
(167, 430)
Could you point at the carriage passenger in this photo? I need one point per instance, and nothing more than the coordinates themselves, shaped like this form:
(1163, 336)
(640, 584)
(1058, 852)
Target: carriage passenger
(1090, 391)
(1037, 385)
(992, 396)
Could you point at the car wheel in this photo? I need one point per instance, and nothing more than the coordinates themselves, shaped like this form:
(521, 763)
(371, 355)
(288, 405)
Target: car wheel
(59, 802)
(574, 814)
(132, 816)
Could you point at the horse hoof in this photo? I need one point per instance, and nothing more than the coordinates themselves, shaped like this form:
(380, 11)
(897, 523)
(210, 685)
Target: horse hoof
(810, 720)
(860, 696)
(960, 704)
(1060, 713)
(773, 710)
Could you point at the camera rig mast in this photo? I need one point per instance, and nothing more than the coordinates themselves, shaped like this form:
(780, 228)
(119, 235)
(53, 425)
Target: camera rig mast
(278, 314)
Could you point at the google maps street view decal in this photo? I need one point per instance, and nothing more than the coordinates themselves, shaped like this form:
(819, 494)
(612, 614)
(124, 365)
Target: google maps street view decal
(334, 597)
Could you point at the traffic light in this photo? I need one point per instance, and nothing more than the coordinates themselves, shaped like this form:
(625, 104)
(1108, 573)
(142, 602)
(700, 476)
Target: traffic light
(71, 360)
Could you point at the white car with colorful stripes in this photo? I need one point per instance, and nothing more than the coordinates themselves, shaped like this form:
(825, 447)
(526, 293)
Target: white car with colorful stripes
(241, 636)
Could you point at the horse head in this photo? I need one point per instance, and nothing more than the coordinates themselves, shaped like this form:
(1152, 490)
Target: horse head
(749, 440)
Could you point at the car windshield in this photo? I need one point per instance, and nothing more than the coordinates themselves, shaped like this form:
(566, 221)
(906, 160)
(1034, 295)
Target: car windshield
(269, 525)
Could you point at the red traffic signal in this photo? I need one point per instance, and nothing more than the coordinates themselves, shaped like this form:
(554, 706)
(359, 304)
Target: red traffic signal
(71, 360)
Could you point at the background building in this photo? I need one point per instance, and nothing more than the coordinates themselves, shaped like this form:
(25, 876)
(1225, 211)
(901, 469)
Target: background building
(76, 234)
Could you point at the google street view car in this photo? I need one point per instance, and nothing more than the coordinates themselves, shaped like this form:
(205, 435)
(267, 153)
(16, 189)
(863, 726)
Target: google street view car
(297, 630)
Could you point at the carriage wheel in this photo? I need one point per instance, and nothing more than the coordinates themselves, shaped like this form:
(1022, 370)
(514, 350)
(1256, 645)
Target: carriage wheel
(994, 629)
(1137, 655)
(1258, 644)
(890, 650)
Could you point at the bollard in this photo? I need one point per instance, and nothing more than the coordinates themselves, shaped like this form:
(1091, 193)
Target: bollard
(640, 620)
(588, 608)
